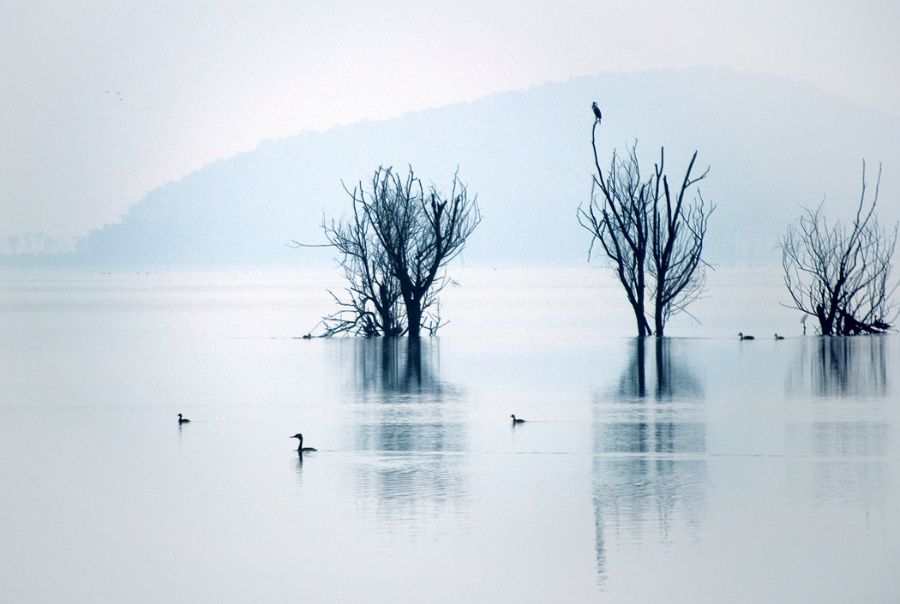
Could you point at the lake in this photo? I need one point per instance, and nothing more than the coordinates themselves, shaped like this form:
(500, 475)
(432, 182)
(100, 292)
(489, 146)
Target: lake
(693, 468)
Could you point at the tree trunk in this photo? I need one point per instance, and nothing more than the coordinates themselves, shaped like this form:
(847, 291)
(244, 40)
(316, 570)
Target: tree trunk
(658, 318)
(637, 305)
(413, 317)
(826, 322)
(643, 327)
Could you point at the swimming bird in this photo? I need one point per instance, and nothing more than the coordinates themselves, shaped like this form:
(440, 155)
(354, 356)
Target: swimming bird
(778, 337)
(183, 420)
(743, 337)
(300, 447)
(597, 113)
(517, 421)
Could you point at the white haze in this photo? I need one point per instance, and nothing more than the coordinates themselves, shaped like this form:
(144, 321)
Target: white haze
(204, 80)
(773, 145)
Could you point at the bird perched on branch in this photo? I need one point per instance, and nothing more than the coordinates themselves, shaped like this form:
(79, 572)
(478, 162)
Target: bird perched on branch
(597, 113)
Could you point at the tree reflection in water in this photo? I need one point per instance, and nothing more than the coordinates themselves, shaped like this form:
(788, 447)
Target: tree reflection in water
(409, 423)
(839, 386)
(840, 366)
(648, 439)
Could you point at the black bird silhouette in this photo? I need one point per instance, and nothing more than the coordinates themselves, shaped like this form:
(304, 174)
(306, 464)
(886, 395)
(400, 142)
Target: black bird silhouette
(517, 421)
(300, 447)
(597, 113)
(183, 420)
(778, 337)
(743, 337)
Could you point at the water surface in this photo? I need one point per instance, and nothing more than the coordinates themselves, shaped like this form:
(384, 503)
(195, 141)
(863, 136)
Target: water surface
(694, 468)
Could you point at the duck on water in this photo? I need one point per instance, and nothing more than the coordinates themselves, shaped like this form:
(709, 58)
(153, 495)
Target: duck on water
(743, 337)
(515, 420)
(183, 420)
(300, 447)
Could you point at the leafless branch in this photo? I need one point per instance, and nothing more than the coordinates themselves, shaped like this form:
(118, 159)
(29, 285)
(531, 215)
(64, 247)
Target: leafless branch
(652, 238)
(842, 274)
(394, 250)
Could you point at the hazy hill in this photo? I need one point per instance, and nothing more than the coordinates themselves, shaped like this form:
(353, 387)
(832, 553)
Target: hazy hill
(773, 145)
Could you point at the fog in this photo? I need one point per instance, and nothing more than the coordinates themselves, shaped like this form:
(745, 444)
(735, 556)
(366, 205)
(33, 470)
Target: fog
(190, 84)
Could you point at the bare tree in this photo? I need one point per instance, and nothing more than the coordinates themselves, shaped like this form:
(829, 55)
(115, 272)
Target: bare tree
(420, 231)
(618, 218)
(676, 243)
(372, 305)
(652, 237)
(393, 254)
(842, 274)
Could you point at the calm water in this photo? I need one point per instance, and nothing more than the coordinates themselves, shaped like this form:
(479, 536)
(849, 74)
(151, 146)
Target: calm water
(692, 469)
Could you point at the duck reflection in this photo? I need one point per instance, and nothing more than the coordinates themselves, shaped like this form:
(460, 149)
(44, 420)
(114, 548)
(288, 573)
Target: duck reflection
(298, 468)
(409, 424)
(648, 472)
(840, 366)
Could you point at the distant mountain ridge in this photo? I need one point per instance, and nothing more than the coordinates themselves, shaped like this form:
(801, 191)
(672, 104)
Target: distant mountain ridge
(772, 145)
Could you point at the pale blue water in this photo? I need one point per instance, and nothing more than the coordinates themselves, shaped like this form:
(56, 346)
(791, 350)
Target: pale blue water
(698, 469)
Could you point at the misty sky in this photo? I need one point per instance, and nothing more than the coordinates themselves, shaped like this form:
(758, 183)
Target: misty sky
(204, 80)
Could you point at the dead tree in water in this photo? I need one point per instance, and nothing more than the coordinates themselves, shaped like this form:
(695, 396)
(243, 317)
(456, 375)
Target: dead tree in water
(842, 275)
(393, 254)
(372, 306)
(618, 218)
(420, 232)
(652, 237)
(676, 243)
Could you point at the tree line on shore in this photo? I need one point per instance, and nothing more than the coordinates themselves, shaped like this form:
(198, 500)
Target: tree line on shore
(395, 247)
